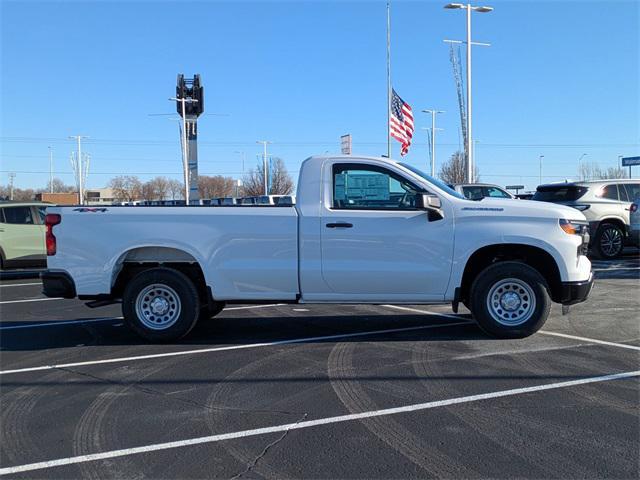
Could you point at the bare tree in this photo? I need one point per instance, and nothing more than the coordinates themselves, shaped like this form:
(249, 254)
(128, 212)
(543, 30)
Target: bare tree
(19, 194)
(148, 191)
(126, 188)
(216, 186)
(592, 171)
(455, 170)
(59, 187)
(160, 187)
(175, 188)
(281, 182)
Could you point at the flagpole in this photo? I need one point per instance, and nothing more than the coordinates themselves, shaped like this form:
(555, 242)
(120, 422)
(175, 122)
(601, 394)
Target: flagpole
(388, 79)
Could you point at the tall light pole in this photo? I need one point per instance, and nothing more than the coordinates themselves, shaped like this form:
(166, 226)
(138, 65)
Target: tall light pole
(241, 153)
(12, 177)
(580, 165)
(185, 158)
(433, 113)
(79, 168)
(264, 165)
(469, 8)
(50, 170)
(540, 160)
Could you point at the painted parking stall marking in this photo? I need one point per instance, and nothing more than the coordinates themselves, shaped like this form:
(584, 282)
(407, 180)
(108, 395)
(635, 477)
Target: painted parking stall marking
(312, 423)
(232, 347)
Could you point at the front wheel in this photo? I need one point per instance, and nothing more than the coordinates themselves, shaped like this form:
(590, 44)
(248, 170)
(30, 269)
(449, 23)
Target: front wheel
(510, 300)
(161, 304)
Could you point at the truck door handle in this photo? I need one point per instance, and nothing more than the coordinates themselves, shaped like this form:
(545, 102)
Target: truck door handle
(339, 225)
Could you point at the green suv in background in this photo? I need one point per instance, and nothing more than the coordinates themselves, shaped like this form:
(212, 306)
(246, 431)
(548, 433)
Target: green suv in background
(22, 234)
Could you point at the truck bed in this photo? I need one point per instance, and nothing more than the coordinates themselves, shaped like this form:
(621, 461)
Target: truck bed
(246, 252)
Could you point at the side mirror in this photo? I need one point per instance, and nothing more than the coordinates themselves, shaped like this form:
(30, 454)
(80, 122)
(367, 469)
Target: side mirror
(432, 204)
(427, 201)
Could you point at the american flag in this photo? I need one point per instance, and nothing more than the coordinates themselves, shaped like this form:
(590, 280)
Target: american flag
(401, 122)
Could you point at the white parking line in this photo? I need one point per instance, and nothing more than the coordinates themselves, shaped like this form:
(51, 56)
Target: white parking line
(19, 284)
(232, 347)
(72, 322)
(31, 300)
(425, 312)
(63, 322)
(543, 332)
(590, 340)
(310, 423)
(255, 306)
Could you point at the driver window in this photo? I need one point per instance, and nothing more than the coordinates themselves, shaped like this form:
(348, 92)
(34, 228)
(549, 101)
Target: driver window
(371, 188)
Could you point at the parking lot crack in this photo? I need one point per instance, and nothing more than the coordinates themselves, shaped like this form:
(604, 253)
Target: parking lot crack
(262, 454)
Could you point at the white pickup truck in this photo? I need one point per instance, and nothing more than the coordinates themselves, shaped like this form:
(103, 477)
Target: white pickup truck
(364, 230)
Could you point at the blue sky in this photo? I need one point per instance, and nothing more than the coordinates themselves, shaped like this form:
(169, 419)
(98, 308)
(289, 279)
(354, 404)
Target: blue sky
(560, 79)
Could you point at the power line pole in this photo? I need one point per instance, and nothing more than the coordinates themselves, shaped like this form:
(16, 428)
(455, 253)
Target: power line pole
(433, 138)
(540, 179)
(79, 166)
(264, 165)
(469, 9)
(50, 170)
(12, 175)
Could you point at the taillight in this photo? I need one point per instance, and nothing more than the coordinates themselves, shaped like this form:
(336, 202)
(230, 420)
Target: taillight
(634, 207)
(50, 220)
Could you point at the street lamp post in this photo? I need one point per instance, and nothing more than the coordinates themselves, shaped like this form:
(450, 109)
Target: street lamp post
(185, 159)
(264, 165)
(469, 8)
(580, 166)
(79, 168)
(433, 139)
(540, 160)
(241, 153)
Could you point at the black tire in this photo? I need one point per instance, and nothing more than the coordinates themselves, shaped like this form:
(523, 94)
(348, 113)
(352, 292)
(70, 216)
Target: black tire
(609, 241)
(173, 290)
(512, 285)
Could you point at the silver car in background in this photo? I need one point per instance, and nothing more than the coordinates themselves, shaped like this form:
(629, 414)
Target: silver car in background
(478, 191)
(605, 203)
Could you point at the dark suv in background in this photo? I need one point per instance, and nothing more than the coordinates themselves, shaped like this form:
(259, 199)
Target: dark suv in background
(605, 203)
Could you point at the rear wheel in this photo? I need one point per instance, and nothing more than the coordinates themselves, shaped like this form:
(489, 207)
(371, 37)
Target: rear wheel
(510, 300)
(609, 241)
(161, 304)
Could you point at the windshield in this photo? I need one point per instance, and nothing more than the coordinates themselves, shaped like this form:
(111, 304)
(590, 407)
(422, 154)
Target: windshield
(430, 179)
(559, 193)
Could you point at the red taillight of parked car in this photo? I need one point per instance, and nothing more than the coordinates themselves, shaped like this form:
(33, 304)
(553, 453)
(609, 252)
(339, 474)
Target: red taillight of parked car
(50, 220)
(634, 207)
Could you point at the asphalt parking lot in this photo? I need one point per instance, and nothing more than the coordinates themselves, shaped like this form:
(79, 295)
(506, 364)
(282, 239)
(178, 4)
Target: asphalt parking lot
(336, 391)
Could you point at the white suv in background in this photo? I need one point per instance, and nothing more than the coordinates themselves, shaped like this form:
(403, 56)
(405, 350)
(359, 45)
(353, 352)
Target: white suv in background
(605, 203)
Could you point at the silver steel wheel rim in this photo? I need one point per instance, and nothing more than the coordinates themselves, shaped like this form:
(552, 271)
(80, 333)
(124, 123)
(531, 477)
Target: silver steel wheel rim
(158, 306)
(511, 302)
(611, 242)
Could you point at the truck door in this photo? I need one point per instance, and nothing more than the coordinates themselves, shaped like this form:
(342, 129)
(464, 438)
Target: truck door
(375, 244)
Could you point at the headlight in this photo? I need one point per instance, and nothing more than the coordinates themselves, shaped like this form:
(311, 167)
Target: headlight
(574, 227)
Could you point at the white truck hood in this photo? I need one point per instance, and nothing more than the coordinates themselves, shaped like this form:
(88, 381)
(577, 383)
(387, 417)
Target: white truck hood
(523, 208)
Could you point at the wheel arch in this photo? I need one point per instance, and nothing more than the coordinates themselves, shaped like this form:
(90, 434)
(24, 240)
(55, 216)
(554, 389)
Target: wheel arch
(137, 259)
(536, 257)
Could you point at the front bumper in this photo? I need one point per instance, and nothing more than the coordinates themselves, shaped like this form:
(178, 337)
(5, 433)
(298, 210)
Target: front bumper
(57, 284)
(576, 292)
